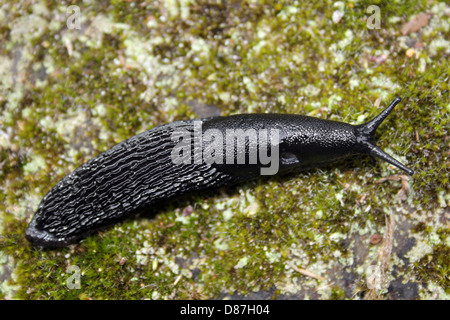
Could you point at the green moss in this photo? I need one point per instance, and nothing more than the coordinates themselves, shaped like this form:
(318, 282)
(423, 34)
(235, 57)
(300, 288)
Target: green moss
(434, 268)
(74, 93)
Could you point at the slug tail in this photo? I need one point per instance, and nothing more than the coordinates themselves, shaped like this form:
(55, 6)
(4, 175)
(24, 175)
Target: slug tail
(366, 137)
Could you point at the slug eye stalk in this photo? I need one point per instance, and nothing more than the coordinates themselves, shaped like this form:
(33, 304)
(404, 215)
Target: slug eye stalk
(366, 138)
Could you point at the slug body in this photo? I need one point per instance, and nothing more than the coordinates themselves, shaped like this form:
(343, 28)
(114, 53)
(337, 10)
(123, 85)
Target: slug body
(167, 161)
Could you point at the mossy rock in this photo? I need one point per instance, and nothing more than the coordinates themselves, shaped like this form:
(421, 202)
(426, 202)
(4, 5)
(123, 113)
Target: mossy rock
(68, 94)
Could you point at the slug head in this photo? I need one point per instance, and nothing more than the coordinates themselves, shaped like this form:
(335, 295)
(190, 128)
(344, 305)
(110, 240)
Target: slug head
(365, 137)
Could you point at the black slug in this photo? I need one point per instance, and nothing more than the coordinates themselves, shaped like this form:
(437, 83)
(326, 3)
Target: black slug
(185, 156)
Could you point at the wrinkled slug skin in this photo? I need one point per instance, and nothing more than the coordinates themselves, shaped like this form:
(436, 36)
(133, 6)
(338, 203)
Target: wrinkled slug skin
(139, 173)
(123, 180)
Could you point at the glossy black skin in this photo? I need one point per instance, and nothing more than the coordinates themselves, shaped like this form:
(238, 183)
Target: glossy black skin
(305, 142)
(138, 173)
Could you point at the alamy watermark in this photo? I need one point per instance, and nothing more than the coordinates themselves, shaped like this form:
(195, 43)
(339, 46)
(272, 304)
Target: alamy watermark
(73, 16)
(374, 20)
(234, 146)
(74, 281)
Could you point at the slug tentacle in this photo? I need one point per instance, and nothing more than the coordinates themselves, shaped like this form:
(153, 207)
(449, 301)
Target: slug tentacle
(371, 126)
(366, 138)
(190, 156)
